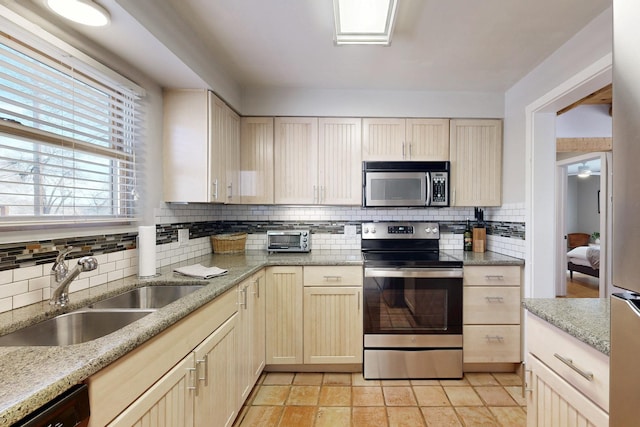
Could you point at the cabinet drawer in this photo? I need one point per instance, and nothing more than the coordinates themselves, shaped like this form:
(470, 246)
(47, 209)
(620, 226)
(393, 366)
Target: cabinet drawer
(491, 344)
(491, 305)
(492, 275)
(545, 341)
(332, 276)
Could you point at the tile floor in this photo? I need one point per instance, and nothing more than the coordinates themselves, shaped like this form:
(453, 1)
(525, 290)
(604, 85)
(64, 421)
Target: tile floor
(318, 400)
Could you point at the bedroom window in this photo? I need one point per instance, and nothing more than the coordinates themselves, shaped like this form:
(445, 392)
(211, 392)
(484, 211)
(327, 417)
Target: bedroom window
(67, 141)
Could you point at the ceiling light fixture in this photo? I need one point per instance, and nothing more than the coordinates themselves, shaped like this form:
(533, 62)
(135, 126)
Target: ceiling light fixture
(364, 21)
(84, 12)
(584, 171)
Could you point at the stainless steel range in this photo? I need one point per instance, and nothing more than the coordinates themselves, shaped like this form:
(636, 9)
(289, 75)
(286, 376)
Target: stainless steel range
(412, 303)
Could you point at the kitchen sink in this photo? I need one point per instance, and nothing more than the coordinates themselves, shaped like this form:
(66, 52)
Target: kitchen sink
(147, 297)
(73, 328)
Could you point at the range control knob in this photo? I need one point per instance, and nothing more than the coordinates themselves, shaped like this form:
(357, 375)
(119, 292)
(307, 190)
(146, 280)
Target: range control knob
(427, 230)
(373, 231)
(434, 230)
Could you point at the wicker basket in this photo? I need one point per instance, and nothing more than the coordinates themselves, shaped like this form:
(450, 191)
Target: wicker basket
(228, 243)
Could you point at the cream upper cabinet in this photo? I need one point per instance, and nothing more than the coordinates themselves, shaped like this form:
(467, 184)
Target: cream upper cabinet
(256, 160)
(232, 157)
(339, 161)
(295, 164)
(476, 162)
(201, 138)
(317, 161)
(405, 139)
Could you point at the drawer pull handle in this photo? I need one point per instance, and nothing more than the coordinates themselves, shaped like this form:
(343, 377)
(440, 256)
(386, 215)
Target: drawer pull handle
(497, 338)
(569, 363)
(494, 277)
(495, 299)
(334, 278)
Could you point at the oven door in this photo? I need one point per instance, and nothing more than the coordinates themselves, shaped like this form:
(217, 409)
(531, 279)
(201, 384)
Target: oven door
(412, 301)
(396, 189)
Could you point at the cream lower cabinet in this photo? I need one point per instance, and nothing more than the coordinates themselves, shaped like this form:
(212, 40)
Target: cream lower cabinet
(491, 314)
(567, 382)
(314, 315)
(284, 315)
(332, 315)
(187, 372)
(476, 162)
(251, 333)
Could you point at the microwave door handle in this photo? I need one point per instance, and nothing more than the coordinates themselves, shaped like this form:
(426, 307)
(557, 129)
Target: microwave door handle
(429, 189)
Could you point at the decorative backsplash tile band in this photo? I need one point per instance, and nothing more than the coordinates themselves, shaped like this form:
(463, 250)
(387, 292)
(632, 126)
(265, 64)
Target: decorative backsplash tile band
(27, 254)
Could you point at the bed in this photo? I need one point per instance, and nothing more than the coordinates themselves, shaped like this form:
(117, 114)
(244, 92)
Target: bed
(584, 259)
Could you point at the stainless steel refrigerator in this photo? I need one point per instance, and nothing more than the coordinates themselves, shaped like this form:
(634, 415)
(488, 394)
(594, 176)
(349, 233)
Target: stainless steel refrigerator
(624, 398)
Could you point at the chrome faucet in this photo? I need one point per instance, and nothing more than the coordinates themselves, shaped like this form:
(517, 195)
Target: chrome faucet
(61, 277)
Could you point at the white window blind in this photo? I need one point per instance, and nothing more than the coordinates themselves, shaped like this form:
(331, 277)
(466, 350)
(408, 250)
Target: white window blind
(67, 141)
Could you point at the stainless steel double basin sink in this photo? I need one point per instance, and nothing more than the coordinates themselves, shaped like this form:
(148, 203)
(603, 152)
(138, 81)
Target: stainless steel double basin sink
(98, 319)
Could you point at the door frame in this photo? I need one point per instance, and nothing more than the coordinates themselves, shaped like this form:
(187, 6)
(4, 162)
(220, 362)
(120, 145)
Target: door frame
(540, 176)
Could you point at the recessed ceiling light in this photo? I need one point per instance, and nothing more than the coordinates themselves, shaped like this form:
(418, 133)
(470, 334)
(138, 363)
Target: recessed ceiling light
(364, 21)
(84, 12)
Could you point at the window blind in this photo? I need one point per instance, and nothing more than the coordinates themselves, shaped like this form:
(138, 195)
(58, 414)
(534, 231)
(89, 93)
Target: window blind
(67, 141)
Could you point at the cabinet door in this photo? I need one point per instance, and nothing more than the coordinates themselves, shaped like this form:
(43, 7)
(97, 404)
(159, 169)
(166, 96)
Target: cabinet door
(551, 401)
(383, 139)
(332, 325)
(340, 161)
(245, 338)
(186, 145)
(217, 153)
(284, 315)
(232, 146)
(258, 299)
(256, 160)
(216, 374)
(476, 162)
(295, 160)
(427, 139)
(168, 403)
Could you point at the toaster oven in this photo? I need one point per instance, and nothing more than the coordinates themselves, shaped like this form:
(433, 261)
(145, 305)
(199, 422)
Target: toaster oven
(289, 240)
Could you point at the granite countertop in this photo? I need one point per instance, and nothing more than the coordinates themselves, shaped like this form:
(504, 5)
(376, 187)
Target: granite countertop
(32, 376)
(587, 319)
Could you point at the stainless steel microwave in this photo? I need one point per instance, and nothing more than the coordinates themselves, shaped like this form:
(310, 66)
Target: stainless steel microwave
(289, 240)
(405, 184)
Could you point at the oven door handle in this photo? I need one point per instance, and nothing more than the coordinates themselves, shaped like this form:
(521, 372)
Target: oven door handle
(435, 273)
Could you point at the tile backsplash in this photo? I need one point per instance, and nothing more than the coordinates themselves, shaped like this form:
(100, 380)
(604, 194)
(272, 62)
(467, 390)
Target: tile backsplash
(25, 266)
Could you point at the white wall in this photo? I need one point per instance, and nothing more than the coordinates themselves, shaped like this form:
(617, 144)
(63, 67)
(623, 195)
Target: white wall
(585, 121)
(588, 46)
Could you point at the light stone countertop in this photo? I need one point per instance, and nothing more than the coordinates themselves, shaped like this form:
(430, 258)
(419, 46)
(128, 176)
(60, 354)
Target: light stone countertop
(587, 319)
(32, 376)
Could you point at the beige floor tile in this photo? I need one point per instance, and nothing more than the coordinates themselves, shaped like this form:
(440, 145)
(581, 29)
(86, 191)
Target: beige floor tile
(481, 378)
(462, 396)
(510, 416)
(506, 378)
(358, 380)
(278, 378)
(367, 396)
(425, 382)
(298, 416)
(516, 393)
(431, 396)
(271, 395)
(335, 396)
(333, 417)
(308, 378)
(405, 417)
(495, 396)
(262, 416)
(369, 416)
(460, 382)
(476, 417)
(398, 396)
(337, 379)
(303, 395)
(441, 417)
(395, 382)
